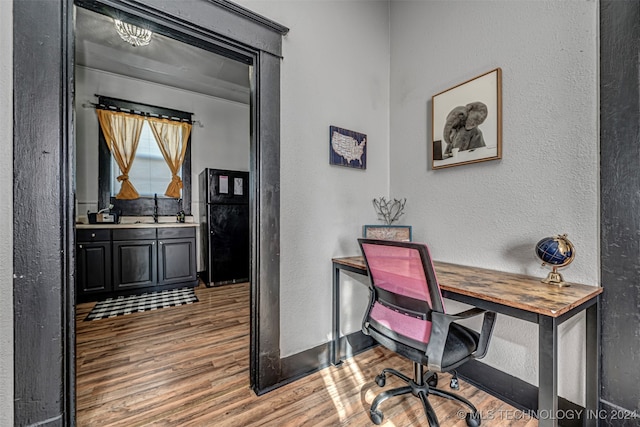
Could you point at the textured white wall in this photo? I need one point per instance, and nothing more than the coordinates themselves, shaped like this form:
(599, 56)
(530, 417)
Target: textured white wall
(335, 71)
(491, 214)
(6, 217)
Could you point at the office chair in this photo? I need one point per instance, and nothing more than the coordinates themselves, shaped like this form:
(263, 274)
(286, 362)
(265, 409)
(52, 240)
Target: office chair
(406, 315)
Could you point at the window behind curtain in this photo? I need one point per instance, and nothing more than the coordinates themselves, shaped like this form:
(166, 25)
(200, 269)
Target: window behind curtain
(147, 164)
(149, 172)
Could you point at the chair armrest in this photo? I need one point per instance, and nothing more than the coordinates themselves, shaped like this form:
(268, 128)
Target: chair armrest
(440, 323)
(488, 320)
(472, 312)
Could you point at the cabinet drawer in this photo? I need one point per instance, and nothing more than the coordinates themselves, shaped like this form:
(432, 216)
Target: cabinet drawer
(93, 235)
(134, 234)
(176, 232)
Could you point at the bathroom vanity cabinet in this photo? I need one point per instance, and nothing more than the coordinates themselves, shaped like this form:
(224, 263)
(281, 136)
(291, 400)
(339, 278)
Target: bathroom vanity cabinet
(113, 260)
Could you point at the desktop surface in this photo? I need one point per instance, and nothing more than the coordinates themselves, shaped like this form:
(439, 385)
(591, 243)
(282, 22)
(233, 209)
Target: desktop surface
(510, 289)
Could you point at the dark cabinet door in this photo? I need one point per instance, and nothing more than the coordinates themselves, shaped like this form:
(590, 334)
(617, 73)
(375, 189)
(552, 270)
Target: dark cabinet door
(134, 264)
(229, 243)
(93, 267)
(176, 261)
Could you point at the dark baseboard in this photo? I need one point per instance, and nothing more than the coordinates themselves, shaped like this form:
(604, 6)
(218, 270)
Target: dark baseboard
(516, 392)
(507, 388)
(355, 343)
(614, 416)
(314, 359)
(302, 364)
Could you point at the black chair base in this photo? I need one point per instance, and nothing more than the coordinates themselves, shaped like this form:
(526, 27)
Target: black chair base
(422, 385)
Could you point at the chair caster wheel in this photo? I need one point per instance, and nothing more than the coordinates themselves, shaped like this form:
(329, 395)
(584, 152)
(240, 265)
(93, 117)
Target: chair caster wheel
(473, 419)
(381, 380)
(432, 381)
(376, 417)
(454, 384)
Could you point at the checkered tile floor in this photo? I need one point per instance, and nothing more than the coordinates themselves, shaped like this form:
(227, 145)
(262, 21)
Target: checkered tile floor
(113, 307)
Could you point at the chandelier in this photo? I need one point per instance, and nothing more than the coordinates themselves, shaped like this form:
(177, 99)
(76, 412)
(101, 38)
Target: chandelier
(133, 35)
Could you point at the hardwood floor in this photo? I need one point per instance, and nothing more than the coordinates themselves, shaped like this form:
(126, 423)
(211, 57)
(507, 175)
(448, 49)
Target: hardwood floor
(189, 365)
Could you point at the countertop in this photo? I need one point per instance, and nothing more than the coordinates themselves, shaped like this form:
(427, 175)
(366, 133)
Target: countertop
(138, 225)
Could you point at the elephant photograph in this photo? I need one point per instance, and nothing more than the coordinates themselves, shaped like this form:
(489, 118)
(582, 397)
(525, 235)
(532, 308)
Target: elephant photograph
(461, 128)
(466, 122)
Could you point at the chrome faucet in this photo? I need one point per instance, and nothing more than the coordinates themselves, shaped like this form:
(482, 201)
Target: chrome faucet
(155, 207)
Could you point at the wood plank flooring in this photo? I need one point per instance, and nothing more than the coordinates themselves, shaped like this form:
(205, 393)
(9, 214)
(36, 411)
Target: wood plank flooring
(189, 366)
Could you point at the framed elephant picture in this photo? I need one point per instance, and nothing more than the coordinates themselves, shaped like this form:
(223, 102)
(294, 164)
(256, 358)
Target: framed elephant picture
(467, 122)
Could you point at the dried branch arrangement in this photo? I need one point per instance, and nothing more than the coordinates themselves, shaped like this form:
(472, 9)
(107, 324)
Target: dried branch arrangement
(389, 211)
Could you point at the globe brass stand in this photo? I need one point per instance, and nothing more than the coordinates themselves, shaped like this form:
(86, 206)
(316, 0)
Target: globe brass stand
(555, 278)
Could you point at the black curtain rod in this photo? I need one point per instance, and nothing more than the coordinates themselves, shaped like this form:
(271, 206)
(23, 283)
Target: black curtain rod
(136, 112)
(141, 113)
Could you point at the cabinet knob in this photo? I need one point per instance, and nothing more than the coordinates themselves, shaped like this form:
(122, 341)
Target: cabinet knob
(93, 234)
(80, 246)
(160, 242)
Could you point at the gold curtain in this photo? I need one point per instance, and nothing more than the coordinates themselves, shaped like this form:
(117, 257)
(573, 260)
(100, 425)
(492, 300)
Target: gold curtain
(122, 133)
(172, 138)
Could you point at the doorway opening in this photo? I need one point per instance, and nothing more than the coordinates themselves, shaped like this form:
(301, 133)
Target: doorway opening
(172, 75)
(181, 83)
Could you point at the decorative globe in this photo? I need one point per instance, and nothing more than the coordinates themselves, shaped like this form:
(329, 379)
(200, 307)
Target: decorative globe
(557, 251)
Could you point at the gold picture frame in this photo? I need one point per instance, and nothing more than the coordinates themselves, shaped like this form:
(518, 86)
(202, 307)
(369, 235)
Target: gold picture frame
(467, 122)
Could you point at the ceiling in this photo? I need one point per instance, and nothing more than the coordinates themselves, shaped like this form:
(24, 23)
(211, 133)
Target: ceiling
(164, 61)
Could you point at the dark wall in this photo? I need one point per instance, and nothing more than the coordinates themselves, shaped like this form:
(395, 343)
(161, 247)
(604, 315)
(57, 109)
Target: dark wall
(620, 205)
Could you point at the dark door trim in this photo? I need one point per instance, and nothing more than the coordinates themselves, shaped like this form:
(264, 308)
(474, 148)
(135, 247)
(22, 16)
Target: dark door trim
(44, 242)
(619, 214)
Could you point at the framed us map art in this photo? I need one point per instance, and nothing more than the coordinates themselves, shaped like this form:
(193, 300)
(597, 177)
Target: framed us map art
(347, 148)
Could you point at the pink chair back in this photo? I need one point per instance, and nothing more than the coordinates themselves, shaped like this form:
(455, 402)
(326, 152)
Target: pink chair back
(402, 280)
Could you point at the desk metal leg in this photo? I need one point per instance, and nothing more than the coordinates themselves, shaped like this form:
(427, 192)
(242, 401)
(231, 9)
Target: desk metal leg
(592, 382)
(547, 372)
(335, 334)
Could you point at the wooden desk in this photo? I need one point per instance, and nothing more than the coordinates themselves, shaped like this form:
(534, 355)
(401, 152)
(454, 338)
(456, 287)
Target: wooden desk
(520, 296)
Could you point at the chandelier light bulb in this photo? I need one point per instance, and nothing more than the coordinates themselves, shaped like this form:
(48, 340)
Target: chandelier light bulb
(133, 35)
